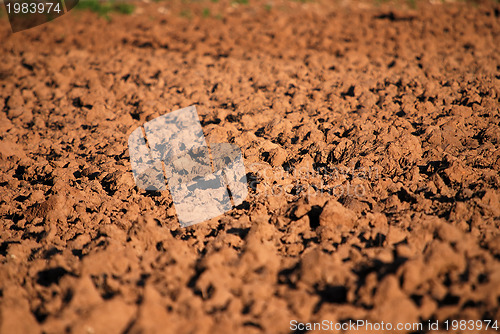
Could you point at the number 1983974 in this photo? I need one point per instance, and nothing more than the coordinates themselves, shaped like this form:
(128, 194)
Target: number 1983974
(32, 8)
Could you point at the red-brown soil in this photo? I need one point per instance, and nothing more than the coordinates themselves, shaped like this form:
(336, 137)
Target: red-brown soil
(407, 96)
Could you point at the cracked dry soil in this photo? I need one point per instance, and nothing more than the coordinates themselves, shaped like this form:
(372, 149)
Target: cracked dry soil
(410, 97)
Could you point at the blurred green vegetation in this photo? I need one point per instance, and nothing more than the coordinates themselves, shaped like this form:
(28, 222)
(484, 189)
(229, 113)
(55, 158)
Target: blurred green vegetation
(186, 13)
(104, 8)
